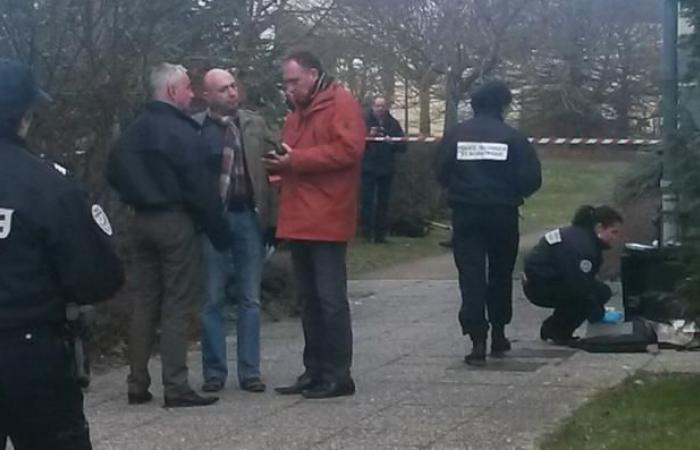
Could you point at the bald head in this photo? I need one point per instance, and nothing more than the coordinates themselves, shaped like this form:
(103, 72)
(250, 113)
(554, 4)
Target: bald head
(220, 91)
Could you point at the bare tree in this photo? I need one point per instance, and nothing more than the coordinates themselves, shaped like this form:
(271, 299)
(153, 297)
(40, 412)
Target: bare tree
(453, 42)
(593, 70)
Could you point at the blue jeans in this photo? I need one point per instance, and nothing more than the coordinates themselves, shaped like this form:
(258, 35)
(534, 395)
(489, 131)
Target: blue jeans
(243, 263)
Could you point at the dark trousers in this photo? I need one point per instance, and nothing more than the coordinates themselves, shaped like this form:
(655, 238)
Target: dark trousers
(168, 254)
(376, 190)
(41, 404)
(320, 273)
(570, 308)
(485, 245)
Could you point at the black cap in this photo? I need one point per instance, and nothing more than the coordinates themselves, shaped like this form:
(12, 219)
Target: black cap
(18, 88)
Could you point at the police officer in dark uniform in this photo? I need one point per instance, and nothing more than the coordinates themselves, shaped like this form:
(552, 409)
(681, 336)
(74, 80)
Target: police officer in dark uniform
(487, 168)
(54, 249)
(560, 272)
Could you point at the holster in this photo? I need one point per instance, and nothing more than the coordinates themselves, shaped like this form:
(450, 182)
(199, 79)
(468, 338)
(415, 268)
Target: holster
(79, 323)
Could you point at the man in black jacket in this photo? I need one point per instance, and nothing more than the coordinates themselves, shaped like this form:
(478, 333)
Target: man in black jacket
(378, 170)
(159, 166)
(487, 168)
(55, 249)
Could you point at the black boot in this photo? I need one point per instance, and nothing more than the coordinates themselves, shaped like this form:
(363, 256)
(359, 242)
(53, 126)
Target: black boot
(556, 335)
(499, 342)
(546, 331)
(477, 357)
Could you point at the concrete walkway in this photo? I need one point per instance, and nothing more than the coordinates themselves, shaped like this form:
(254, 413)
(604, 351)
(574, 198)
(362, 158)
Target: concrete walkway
(414, 391)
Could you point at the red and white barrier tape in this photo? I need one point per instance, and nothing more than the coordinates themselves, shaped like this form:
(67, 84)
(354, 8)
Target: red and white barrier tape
(540, 141)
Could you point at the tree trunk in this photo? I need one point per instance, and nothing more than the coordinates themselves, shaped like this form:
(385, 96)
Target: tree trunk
(424, 102)
(452, 98)
(388, 77)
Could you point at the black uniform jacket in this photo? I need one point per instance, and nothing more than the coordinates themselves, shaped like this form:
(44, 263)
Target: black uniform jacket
(483, 161)
(379, 156)
(54, 245)
(161, 161)
(572, 256)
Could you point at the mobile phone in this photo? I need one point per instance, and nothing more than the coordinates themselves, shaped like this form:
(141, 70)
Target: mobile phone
(280, 150)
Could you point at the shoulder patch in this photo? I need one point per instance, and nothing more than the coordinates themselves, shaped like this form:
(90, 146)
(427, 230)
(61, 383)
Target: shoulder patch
(553, 237)
(5, 222)
(101, 219)
(586, 266)
(60, 169)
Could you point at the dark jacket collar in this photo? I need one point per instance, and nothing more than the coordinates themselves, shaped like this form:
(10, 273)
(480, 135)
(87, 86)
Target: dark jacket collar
(600, 245)
(244, 116)
(322, 98)
(388, 119)
(492, 113)
(159, 107)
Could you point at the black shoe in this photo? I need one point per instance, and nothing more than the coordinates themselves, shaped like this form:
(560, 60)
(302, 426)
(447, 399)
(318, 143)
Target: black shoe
(499, 345)
(213, 385)
(330, 389)
(253, 385)
(303, 382)
(499, 342)
(545, 333)
(139, 399)
(188, 400)
(563, 339)
(478, 355)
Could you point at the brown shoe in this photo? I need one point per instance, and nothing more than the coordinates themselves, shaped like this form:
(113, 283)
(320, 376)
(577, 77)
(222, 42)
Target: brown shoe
(253, 385)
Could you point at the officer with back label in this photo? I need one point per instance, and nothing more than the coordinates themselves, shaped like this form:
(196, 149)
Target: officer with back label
(488, 168)
(54, 249)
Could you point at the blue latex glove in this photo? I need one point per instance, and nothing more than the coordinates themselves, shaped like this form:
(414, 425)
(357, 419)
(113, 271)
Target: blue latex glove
(612, 317)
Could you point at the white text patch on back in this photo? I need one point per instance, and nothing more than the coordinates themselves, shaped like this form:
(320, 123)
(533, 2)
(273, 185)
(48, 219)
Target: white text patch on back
(482, 151)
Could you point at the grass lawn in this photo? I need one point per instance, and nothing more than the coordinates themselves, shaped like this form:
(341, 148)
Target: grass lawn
(645, 412)
(364, 257)
(567, 183)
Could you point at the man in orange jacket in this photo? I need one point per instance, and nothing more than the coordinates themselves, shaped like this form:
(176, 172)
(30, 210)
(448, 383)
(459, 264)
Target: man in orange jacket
(322, 140)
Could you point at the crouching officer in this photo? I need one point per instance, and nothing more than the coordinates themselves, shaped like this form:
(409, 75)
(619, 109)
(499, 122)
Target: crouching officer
(488, 169)
(561, 270)
(54, 249)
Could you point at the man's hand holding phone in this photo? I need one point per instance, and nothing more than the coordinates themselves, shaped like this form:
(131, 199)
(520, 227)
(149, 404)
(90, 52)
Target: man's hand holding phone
(277, 161)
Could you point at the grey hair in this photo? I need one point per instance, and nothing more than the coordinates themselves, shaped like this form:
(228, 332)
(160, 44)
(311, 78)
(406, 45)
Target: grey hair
(163, 74)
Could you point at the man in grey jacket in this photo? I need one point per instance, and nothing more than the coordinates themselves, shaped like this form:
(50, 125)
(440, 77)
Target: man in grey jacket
(238, 139)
